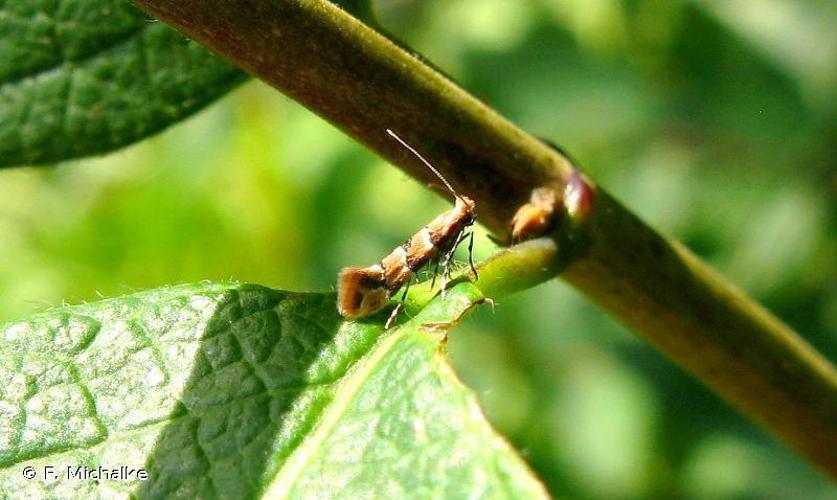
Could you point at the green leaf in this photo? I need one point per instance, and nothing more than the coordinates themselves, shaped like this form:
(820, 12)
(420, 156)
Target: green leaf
(82, 77)
(231, 391)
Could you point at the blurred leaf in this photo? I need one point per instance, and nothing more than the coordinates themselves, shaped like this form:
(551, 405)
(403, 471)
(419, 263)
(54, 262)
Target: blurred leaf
(231, 391)
(82, 77)
(798, 36)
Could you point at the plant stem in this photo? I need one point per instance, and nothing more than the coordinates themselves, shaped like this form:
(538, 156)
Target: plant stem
(705, 324)
(364, 83)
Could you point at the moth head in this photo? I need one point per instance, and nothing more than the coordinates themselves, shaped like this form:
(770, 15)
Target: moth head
(468, 207)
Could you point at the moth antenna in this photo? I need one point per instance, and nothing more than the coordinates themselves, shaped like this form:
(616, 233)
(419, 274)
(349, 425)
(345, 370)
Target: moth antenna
(426, 163)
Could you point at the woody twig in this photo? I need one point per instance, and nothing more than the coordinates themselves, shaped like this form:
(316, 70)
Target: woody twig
(363, 83)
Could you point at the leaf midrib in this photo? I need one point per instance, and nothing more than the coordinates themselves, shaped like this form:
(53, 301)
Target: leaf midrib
(345, 390)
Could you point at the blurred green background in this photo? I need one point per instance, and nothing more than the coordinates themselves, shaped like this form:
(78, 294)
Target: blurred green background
(715, 120)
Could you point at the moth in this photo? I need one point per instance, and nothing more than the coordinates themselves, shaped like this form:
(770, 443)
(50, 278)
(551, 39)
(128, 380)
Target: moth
(363, 291)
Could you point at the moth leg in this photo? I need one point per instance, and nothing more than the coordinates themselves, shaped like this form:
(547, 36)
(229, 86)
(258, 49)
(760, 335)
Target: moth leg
(406, 289)
(435, 272)
(446, 264)
(393, 315)
(471, 255)
(446, 272)
(398, 308)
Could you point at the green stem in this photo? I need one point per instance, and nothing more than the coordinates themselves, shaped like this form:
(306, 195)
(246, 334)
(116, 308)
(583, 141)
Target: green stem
(510, 270)
(727, 340)
(364, 83)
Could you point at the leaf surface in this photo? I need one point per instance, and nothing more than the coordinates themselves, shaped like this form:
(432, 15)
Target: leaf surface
(224, 390)
(83, 77)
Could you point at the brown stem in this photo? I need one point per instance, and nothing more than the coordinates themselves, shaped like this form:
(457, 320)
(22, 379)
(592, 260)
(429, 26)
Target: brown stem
(364, 83)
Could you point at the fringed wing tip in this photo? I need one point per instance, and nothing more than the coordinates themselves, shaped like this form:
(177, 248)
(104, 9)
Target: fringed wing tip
(361, 291)
(348, 285)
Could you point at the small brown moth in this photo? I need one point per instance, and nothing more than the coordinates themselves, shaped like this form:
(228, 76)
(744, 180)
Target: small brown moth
(362, 291)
